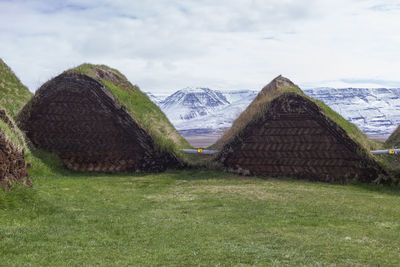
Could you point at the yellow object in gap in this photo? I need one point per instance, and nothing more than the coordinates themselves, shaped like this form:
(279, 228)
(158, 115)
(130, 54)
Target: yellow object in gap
(391, 150)
(199, 150)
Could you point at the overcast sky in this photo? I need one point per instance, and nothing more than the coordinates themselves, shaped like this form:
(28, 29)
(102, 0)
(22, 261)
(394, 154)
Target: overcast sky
(163, 46)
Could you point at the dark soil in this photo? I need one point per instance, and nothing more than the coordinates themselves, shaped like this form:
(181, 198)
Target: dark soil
(12, 161)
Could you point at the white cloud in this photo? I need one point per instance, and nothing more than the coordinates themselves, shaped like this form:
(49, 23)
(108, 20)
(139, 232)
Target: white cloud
(167, 45)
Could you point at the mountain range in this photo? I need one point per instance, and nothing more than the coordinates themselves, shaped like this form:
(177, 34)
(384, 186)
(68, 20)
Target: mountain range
(203, 110)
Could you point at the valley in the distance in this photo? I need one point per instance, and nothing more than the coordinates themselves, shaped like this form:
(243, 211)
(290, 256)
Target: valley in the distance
(202, 114)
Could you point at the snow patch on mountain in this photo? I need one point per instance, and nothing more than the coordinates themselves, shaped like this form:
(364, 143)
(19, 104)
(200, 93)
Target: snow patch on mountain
(157, 99)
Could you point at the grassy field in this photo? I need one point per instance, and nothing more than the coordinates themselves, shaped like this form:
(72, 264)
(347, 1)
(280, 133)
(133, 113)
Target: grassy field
(196, 217)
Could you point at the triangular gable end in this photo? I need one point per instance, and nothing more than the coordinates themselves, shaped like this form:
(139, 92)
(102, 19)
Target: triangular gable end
(294, 138)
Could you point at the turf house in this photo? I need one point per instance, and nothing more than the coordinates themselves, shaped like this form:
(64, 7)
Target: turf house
(96, 120)
(285, 133)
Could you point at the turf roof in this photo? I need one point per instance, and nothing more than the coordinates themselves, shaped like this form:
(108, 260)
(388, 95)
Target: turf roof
(394, 138)
(13, 94)
(283, 86)
(143, 110)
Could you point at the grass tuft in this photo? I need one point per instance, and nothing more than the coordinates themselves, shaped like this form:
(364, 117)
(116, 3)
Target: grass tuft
(17, 197)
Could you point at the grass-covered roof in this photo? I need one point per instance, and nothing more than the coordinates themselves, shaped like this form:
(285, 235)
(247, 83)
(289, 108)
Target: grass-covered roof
(281, 86)
(13, 94)
(138, 104)
(394, 138)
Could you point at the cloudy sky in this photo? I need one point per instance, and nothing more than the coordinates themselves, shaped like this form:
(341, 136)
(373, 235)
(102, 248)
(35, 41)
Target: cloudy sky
(166, 45)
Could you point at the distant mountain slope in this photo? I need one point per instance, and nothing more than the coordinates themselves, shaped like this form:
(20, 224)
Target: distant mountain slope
(375, 111)
(223, 117)
(13, 94)
(191, 103)
(157, 99)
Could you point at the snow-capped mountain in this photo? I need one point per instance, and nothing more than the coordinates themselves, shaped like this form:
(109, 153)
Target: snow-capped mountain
(191, 103)
(223, 117)
(194, 111)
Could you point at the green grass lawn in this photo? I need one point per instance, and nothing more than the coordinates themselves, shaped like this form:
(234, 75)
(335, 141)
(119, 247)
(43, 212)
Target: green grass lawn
(197, 217)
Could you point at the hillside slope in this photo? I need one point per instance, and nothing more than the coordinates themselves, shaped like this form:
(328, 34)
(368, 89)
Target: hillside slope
(13, 94)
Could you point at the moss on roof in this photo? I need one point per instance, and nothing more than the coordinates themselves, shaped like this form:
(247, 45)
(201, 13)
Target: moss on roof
(13, 94)
(281, 86)
(394, 138)
(138, 104)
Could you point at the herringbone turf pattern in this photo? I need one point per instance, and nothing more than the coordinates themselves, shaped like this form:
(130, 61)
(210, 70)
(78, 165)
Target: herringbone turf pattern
(78, 118)
(294, 138)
